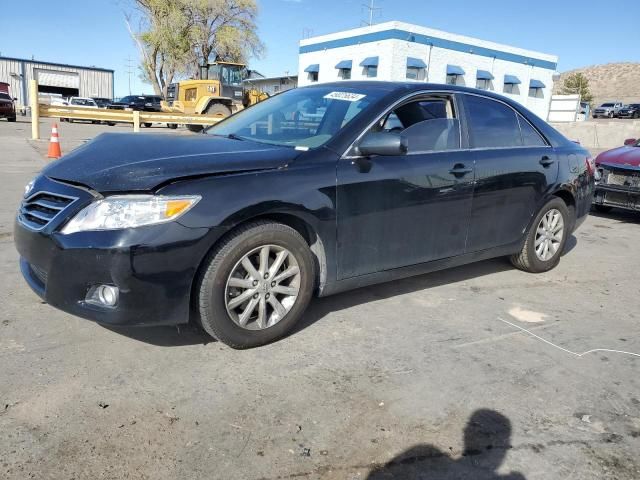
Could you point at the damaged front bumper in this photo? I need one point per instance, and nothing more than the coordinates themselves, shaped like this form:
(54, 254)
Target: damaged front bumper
(618, 187)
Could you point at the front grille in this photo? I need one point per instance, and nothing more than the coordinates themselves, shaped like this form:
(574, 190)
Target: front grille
(632, 180)
(37, 211)
(614, 198)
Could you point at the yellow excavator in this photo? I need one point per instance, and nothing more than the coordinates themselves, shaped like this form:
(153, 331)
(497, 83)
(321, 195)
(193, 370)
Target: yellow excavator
(222, 90)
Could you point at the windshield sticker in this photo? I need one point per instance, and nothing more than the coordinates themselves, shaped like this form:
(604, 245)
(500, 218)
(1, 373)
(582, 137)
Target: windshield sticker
(346, 96)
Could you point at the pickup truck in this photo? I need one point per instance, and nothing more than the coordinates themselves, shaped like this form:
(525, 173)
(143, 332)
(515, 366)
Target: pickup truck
(608, 110)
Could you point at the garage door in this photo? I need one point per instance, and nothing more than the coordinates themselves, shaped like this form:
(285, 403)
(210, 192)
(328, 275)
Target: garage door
(56, 78)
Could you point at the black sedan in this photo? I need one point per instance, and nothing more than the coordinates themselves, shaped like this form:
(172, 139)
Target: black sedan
(630, 111)
(315, 191)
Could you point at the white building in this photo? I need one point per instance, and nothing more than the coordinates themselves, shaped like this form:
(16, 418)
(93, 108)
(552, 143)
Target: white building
(398, 51)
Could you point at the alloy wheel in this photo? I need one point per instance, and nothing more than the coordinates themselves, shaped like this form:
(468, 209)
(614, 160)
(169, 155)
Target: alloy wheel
(262, 287)
(549, 235)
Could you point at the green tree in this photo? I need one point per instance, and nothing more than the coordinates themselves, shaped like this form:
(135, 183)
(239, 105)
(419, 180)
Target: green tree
(577, 83)
(175, 37)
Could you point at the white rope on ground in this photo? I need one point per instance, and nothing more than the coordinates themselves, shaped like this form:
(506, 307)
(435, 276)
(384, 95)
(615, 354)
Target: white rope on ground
(564, 349)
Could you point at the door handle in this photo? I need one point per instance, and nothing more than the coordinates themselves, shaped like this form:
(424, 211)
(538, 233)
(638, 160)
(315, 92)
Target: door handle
(460, 170)
(546, 161)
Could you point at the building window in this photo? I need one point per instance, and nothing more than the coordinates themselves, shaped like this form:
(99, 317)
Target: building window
(483, 84)
(313, 76)
(414, 73)
(371, 72)
(511, 88)
(536, 92)
(453, 79)
(345, 73)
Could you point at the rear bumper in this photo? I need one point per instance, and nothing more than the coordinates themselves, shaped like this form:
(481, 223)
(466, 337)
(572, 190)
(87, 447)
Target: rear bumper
(619, 197)
(153, 268)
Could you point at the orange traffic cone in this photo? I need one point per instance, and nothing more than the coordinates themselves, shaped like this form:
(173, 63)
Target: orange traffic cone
(54, 143)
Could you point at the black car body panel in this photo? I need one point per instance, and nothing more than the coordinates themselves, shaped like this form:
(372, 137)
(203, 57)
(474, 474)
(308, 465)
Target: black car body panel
(366, 219)
(118, 161)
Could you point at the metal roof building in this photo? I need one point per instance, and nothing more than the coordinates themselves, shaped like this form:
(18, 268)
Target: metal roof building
(67, 80)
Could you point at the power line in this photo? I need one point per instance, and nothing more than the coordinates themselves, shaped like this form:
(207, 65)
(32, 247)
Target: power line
(129, 70)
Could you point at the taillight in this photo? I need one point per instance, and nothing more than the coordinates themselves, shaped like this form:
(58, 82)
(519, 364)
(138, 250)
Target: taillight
(591, 165)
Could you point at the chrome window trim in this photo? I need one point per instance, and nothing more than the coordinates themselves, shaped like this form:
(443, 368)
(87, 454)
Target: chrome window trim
(450, 93)
(24, 223)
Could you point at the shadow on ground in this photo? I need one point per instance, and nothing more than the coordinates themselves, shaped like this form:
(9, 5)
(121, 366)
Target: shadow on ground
(487, 439)
(619, 215)
(319, 308)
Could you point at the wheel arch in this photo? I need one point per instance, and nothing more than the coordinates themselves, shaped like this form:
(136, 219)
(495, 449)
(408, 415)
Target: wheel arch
(293, 220)
(570, 201)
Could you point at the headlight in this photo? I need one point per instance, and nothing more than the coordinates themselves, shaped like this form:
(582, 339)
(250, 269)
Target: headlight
(128, 211)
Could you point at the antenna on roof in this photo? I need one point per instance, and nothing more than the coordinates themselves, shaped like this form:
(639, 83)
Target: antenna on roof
(372, 11)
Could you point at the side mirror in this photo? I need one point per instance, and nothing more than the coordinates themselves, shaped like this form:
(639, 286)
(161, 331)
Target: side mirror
(15, 99)
(630, 141)
(383, 143)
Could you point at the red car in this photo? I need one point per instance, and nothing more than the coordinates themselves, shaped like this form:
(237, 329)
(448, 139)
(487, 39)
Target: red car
(7, 107)
(618, 178)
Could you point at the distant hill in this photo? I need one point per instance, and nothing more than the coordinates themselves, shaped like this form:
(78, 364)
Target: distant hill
(613, 81)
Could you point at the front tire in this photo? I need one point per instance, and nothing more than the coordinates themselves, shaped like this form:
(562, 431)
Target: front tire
(256, 285)
(545, 239)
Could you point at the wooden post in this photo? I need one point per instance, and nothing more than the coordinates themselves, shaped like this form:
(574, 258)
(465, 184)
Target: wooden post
(136, 121)
(35, 110)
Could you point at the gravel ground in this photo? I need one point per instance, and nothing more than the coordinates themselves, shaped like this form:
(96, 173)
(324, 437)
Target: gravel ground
(425, 378)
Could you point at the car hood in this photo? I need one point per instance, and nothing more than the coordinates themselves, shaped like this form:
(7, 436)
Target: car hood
(623, 156)
(115, 162)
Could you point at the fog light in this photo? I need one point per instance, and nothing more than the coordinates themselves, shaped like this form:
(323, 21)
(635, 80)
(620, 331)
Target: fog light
(104, 295)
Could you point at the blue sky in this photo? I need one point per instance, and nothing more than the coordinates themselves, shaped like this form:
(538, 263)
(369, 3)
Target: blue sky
(93, 32)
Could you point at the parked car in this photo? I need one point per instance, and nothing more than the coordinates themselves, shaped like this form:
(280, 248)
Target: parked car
(618, 178)
(102, 102)
(7, 107)
(630, 111)
(81, 102)
(609, 110)
(245, 223)
(143, 103)
(55, 99)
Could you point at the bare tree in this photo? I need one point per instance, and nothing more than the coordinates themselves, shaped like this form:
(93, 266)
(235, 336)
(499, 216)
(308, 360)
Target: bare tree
(175, 37)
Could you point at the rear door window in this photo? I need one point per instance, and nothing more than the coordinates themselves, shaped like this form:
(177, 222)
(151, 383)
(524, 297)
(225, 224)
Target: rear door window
(492, 124)
(530, 136)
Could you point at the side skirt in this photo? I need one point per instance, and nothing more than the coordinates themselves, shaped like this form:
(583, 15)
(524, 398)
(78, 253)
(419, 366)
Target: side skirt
(420, 269)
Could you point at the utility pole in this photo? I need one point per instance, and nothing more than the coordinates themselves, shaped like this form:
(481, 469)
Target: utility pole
(372, 10)
(129, 70)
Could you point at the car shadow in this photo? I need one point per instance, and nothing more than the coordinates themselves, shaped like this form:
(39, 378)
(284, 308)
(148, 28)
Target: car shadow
(487, 440)
(170, 336)
(192, 334)
(619, 215)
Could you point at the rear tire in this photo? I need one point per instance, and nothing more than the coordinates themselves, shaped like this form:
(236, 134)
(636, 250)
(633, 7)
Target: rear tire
(147, 125)
(543, 231)
(266, 321)
(11, 119)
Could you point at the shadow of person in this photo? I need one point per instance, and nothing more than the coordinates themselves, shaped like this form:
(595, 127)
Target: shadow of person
(487, 438)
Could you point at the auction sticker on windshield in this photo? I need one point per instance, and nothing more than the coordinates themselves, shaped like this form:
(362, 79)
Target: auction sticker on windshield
(346, 96)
